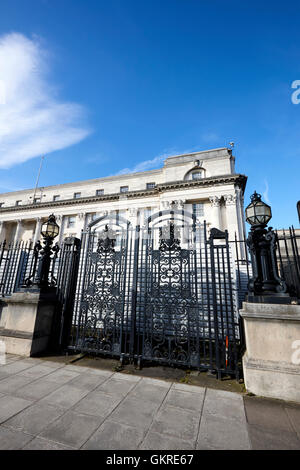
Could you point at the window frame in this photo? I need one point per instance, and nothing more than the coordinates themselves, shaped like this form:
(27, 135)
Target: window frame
(194, 212)
(195, 172)
(69, 223)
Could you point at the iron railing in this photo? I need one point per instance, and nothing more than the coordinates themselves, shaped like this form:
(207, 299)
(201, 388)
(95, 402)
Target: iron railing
(288, 262)
(19, 265)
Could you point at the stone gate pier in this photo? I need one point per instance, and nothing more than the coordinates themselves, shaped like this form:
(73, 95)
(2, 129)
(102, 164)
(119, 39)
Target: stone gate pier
(271, 362)
(26, 321)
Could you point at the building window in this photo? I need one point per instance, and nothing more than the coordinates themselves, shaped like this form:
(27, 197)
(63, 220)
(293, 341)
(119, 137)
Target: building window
(71, 221)
(147, 213)
(197, 175)
(124, 189)
(18, 203)
(91, 217)
(37, 200)
(56, 197)
(77, 195)
(99, 192)
(198, 209)
(150, 185)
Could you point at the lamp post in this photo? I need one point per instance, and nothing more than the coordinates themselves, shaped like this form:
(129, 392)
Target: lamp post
(265, 285)
(49, 231)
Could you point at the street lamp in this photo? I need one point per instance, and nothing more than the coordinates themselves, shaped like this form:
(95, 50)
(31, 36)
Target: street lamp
(265, 284)
(258, 212)
(49, 231)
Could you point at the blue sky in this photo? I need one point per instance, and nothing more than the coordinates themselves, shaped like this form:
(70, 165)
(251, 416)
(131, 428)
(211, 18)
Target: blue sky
(105, 86)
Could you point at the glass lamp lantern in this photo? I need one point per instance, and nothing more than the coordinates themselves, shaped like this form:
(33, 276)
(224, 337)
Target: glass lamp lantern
(50, 229)
(258, 212)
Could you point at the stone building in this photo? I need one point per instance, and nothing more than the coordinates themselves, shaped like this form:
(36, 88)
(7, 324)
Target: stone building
(204, 183)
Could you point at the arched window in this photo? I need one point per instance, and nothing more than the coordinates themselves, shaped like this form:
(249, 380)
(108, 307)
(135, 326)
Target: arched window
(197, 175)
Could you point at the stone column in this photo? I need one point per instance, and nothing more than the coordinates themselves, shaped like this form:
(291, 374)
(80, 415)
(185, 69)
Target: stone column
(80, 224)
(37, 232)
(60, 219)
(231, 215)
(215, 218)
(18, 233)
(2, 231)
(133, 216)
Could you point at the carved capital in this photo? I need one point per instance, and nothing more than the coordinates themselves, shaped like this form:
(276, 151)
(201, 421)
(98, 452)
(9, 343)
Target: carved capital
(133, 211)
(230, 199)
(215, 201)
(165, 205)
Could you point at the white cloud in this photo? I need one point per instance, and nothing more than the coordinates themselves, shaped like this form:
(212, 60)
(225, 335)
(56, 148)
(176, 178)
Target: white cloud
(210, 137)
(156, 162)
(266, 192)
(33, 121)
(145, 165)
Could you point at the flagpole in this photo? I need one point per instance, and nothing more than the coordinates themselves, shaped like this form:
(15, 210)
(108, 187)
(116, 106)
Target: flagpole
(38, 178)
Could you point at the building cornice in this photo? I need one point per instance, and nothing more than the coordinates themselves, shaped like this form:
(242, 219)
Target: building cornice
(236, 179)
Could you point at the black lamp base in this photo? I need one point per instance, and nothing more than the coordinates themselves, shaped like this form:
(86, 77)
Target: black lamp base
(271, 298)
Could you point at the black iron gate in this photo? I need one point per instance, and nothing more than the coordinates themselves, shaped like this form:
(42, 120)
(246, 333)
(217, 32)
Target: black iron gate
(162, 293)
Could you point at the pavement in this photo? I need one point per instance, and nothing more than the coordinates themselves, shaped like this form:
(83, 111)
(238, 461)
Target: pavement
(49, 405)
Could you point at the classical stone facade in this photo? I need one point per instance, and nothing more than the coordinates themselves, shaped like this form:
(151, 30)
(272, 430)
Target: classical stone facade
(204, 183)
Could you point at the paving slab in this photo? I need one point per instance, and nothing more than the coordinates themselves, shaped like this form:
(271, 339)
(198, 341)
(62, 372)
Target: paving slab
(227, 404)
(16, 366)
(11, 384)
(39, 443)
(130, 377)
(136, 413)
(4, 375)
(186, 400)
(11, 439)
(37, 390)
(52, 364)
(177, 422)
(219, 433)
(159, 383)
(148, 391)
(72, 429)
(294, 416)
(114, 436)
(276, 439)
(97, 403)
(87, 381)
(156, 441)
(62, 376)
(9, 406)
(186, 388)
(36, 372)
(35, 418)
(117, 387)
(268, 414)
(94, 371)
(9, 358)
(65, 397)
